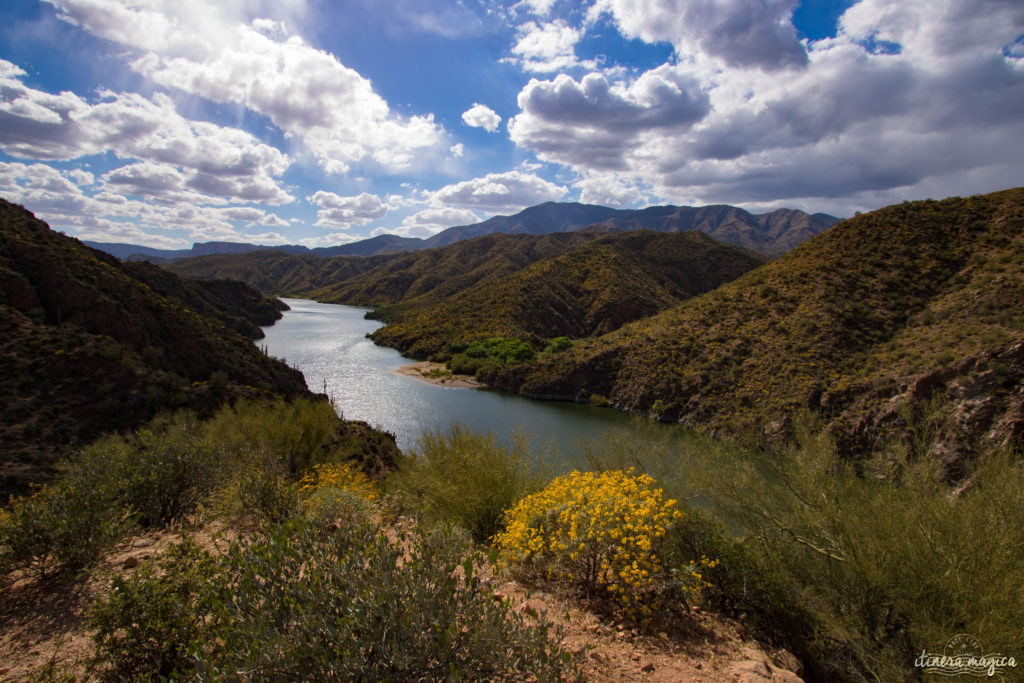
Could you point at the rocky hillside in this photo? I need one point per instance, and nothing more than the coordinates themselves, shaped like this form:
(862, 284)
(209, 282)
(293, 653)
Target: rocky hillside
(915, 308)
(94, 345)
(591, 289)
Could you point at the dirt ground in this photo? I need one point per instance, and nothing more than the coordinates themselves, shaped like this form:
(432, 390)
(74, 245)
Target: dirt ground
(42, 627)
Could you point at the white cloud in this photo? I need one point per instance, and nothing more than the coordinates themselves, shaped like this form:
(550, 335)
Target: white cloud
(213, 159)
(545, 48)
(910, 99)
(741, 33)
(429, 222)
(610, 189)
(109, 216)
(539, 7)
(507, 192)
(481, 116)
(595, 124)
(341, 213)
(457, 150)
(272, 220)
(331, 240)
(210, 50)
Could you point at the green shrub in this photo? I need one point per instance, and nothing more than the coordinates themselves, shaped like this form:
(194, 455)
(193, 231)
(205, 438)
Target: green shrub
(151, 622)
(162, 472)
(466, 478)
(296, 605)
(361, 607)
(559, 344)
(256, 488)
(61, 529)
(301, 432)
(889, 559)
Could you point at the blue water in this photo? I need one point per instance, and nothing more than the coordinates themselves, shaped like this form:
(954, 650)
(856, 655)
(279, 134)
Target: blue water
(328, 343)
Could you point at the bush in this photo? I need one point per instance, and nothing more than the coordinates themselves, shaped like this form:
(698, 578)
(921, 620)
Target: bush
(301, 433)
(161, 473)
(150, 623)
(889, 559)
(365, 608)
(559, 344)
(296, 605)
(466, 478)
(61, 529)
(600, 532)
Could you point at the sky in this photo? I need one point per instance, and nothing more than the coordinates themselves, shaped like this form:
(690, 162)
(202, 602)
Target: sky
(319, 122)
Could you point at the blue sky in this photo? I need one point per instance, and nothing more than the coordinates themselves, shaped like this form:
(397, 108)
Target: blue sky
(165, 122)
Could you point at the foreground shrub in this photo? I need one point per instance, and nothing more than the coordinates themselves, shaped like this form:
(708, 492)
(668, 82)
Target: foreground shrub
(149, 624)
(890, 560)
(61, 529)
(466, 478)
(600, 532)
(296, 605)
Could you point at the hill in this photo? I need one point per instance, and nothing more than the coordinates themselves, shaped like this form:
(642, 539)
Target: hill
(590, 289)
(92, 344)
(912, 307)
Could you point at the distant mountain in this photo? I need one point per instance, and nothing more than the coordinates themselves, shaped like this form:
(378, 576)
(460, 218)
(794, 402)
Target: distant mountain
(126, 251)
(92, 344)
(769, 233)
(382, 244)
(912, 309)
(589, 289)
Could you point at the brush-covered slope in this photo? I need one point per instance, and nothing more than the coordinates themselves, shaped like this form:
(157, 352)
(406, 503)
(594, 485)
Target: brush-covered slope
(591, 289)
(235, 304)
(865, 322)
(91, 344)
(274, 272)
(428, 276)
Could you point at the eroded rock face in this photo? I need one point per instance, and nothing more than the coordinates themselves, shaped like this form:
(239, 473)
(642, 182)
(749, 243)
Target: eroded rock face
(974, 404)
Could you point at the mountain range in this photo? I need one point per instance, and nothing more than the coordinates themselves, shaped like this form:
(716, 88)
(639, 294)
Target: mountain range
(768, 233)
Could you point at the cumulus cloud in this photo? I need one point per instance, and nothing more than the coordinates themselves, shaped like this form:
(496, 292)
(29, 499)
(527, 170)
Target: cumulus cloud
(341, 213)
(429, 222)
(110, 216)
(909, 99)
(610, 189)
(215, 159)
(545, 48)
(507, 192)
(741, 33)
(481, 116)
(594, 124)
(310, 95)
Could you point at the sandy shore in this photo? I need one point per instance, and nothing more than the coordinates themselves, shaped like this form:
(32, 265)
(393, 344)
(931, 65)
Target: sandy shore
(443, 378)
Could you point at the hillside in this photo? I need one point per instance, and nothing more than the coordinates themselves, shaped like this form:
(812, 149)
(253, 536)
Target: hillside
(865, 323)
(93, 345)
(593, 288)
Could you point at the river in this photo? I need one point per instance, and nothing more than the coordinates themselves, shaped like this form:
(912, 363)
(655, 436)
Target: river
(329, 344)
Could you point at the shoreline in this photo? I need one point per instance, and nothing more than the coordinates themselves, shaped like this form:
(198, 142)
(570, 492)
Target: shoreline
(444, 378)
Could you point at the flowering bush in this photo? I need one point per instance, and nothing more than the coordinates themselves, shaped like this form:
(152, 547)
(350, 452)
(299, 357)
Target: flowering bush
(339, 476)
(337, 493)
(601, 532)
